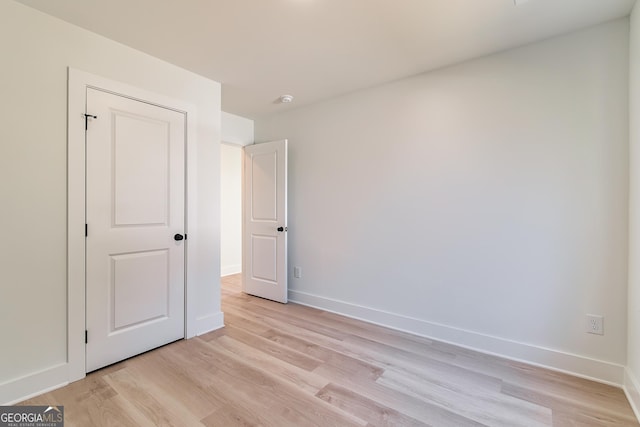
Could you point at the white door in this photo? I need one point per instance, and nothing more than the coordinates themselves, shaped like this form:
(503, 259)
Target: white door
(135, 222)
(264, 248)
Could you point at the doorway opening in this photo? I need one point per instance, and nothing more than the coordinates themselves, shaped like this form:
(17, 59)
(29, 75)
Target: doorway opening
(254, 189)
(231, 159)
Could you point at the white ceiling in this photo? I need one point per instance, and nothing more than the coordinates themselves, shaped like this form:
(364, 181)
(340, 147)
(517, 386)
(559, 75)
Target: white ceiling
(318, 49)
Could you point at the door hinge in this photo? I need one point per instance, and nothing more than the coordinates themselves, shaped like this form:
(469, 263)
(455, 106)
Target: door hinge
(86, 230)
(86, 336)
(86, 120)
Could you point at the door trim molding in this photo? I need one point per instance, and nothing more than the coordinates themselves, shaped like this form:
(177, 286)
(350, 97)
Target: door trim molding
(78, 81)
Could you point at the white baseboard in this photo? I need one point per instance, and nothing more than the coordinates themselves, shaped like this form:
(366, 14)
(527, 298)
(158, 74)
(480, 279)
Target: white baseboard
(228, 270)
(28, 386)
(580, 366)
(632, 390)
(209, 323)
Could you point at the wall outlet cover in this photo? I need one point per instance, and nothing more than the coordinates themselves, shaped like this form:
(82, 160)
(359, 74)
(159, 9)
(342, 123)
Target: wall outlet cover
(595, 324)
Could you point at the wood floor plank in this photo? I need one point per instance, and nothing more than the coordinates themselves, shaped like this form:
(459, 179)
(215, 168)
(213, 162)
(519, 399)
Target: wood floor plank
(287, 365)
(563, 418)
(83, 399)
(413, 407)
(252, 324)
(380, 334)
(248, 396)
(373, 412)
(115, 412)
(229, 416)
(174, 380)
(301, 378)
(319, 321)
(284, 353)
(159, 407)
(275, 396)
(314, 335)
(569, 410)
(424, 367)
(339, 362)
(262, 309)
(484, 407)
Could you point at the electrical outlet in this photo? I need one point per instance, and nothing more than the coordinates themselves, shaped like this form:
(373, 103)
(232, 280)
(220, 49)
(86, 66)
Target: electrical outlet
(595, 324)
(297, 272)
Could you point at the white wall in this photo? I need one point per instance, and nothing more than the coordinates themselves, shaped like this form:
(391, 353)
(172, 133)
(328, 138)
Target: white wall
(237, 130)
(231, 213)
(483, 204)
(36, 51)
(632, 379)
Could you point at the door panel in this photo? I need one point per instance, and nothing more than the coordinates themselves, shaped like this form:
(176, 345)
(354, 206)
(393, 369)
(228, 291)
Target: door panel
(264, 197)
(265, 221)
(140, 143)
(135, 205)
(138, 277)
(265, 258)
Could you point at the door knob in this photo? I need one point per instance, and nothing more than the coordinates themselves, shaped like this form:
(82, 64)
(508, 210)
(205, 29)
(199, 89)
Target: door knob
(178, 237)
(280, 229)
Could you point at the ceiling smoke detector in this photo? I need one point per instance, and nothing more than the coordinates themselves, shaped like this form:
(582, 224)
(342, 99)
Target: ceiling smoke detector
(285, 99)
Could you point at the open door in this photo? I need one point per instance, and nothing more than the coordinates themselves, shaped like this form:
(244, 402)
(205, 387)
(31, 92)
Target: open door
(264, 248)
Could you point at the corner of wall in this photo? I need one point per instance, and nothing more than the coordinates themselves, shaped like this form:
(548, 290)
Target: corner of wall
(631, 383)
(208, 323)
(236, 129)
(632, 390)
(231, 269)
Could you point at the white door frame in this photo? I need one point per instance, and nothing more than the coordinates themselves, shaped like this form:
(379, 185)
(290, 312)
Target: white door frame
(78, 82)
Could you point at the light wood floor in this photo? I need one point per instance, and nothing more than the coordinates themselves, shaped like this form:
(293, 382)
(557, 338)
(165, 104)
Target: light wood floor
(289, 365)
